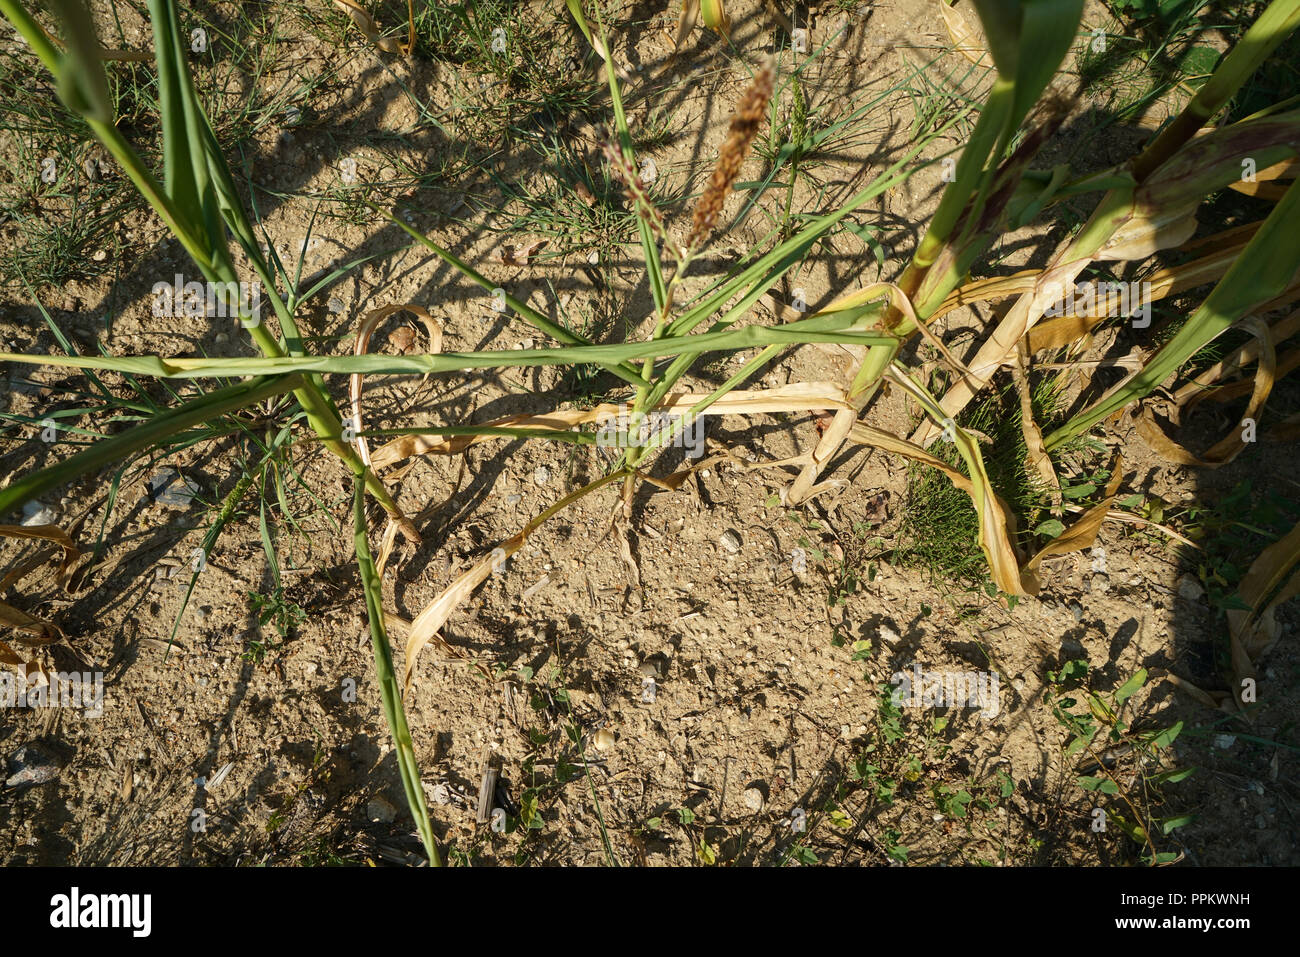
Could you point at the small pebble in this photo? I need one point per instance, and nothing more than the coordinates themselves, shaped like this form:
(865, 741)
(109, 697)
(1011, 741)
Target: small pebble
(541, 475)
(603, 739)
(753, 798)
(1189, 588)
(438, 794)
(37, 513)
(167, 487)
(730, 541)
(381, 810)
(31, 765)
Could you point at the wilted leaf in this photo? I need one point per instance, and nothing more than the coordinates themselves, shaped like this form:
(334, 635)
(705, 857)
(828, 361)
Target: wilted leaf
(1273, 578)
(1236, 442)
(510, 255)
(370, 28)
(966, 39)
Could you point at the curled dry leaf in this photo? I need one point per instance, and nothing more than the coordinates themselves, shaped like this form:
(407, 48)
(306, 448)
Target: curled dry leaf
(369, 322)
(1204, 386)
(966, 40)
(49, 533)
(370, 28)
(1219, 252)
(1233, 444)
(30, 630)
(1273, 578)
(1150, 230)
(997, 523)
(511, 255)
(686, 22)
(791, 398)
(434, 615)
(1083, 532)
(1034, 451)
(33, 631)
(837, 432)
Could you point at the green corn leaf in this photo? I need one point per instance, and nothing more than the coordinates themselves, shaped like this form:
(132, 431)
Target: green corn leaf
(81, 80)
(108, 451)
(835, 328)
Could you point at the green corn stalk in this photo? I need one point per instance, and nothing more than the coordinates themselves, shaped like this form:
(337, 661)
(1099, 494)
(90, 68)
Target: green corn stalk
(1028, 40)
(390, 691)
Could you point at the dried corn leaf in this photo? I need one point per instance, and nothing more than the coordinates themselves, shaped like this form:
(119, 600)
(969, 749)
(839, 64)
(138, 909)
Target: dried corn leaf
(49, 533)
(1060, 331)
(1034, 451)
(1269, 191)
(370, 28)
(1210, 700)
(1272, 578)
(1083, 532)
(686, 22)
(369, 323)
(30, 669)
(790, 398)
(1263, 185)
(1205, 386)
(40, 632)
(1150, 230)
(1234, 444)
(996, 522)
(966, 39)
(1002, 343)
(835, 434)
(865, 434)
(433, 616)
(1158, 213)
(1221, 250)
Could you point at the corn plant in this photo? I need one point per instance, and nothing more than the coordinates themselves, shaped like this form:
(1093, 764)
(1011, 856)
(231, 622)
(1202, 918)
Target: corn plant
(1146, 205)
(196, 198)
